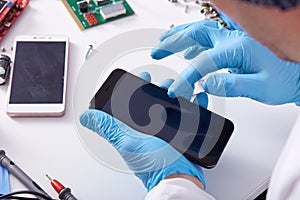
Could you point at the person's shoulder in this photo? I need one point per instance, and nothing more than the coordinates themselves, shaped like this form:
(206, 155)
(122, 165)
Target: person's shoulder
(285, 181)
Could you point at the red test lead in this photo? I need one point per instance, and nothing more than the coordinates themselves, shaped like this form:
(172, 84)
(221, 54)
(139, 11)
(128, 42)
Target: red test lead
(63, 192)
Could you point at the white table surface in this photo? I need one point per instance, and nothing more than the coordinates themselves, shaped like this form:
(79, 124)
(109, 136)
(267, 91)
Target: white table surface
(52, 145)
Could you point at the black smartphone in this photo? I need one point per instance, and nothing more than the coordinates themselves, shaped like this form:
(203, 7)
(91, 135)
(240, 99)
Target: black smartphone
(199, 134)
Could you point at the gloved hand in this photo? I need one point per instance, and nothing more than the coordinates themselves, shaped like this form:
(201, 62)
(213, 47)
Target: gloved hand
(150, 158)
(256, 72)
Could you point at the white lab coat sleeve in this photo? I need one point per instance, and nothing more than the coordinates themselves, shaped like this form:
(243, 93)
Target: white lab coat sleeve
(285, 181)
(177, 189)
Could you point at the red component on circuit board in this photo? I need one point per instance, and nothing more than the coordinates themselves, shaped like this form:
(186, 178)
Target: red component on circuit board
(91, 19)
(95, 21)
(88, 19)
(10, 10)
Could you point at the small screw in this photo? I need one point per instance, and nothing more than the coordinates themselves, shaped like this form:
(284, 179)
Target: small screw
(3, 49)
(88, 51)
(186, 8)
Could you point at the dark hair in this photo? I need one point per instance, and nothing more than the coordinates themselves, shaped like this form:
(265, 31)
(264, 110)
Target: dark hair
(282, 4)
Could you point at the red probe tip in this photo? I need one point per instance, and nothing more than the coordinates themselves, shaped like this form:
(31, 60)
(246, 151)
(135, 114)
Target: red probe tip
(56, 185)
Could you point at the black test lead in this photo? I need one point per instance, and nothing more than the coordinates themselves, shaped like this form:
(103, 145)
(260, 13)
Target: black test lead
(63, 192)
(21, 176)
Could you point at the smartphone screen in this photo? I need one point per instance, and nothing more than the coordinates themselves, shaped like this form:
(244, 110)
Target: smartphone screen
(194, 131)
(38, 76)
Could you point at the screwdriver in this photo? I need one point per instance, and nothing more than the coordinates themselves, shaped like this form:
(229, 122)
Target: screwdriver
(63, 192)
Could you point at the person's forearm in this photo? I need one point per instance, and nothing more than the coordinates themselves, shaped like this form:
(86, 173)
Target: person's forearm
(193, 179)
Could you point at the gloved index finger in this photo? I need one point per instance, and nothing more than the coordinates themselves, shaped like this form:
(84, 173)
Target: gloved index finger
(173, 31)
(227, 55)
(173, 44)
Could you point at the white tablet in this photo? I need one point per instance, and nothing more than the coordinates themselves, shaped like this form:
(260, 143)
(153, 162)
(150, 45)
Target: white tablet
(39, 76)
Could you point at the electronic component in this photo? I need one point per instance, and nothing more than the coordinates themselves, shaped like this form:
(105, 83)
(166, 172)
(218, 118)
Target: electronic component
(9, 18)
(4, 68)
(211, 13)
(2, 29)
(90, 17)
(2, 5)
(9, 12)
(97, 12)
(83, 6)
(101, 2)
(113, 10)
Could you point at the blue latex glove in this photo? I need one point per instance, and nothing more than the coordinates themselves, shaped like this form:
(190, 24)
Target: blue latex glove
(4, 181)
(256, 72)
(150, 158)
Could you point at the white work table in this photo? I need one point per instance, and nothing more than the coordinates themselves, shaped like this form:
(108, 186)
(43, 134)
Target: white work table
(53, 145)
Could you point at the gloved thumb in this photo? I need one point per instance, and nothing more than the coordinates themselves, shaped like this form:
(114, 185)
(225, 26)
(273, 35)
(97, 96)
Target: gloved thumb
(231, 85)
(103, 124)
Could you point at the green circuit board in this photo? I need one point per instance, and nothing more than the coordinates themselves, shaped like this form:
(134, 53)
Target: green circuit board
(96, 14)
